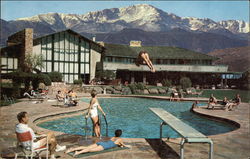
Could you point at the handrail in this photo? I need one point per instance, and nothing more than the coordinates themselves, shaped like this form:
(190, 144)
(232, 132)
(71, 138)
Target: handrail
(106, 125)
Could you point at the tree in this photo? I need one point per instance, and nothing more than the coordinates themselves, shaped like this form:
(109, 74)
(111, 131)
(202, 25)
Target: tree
(33, 62)
(185, 82)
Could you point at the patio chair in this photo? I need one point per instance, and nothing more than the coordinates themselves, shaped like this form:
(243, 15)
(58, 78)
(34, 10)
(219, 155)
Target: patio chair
(30, 151)
(33, 97)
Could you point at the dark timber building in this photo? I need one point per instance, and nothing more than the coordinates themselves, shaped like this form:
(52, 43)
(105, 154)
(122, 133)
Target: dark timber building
(66, 52)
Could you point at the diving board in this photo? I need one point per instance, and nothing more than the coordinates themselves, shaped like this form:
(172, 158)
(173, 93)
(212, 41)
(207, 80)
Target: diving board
(188, 134)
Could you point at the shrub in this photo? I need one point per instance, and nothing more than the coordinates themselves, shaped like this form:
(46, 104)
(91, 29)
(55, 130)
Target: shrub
(45, 79)
(166, 82)
(185, 82)
(107, 75)
(79, 81)
(132, 88)
(55, 76)
(140, 86)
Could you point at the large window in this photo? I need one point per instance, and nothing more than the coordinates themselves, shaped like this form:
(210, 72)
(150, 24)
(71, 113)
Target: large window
(67, 54)
(9, 64)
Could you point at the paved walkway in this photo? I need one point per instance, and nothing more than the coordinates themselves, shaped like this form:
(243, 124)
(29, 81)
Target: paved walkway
(232, 145)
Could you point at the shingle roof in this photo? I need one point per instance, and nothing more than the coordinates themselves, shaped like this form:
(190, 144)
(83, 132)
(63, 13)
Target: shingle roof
(155, 52)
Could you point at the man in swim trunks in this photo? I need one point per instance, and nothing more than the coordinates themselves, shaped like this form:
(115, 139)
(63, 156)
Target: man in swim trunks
(143, 59)
(100, 146)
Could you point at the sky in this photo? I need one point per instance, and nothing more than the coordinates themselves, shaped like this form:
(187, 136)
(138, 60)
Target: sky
(215, 10)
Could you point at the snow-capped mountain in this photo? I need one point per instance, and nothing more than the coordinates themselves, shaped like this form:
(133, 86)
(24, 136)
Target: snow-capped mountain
(235, 26)
(141, 22)
(141, 16)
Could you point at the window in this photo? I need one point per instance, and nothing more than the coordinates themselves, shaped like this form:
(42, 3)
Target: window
(61, 68)
(4, 61)
(49, 67)
(15, 63)
(76, 67)
(61, 54)
(56, 54)
(71, 78)
(66, 69)
(10, 63)
(56, 66)
(82, 57)
(87, 68)
(66, 78)
(82, 68)
(76, 77)
(71, 68)
(87, 57)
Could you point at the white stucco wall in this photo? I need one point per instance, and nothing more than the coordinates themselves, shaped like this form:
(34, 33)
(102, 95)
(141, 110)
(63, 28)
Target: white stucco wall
(94, 58)
(181, 68)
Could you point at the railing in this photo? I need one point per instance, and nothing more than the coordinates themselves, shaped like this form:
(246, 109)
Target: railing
(86, 127)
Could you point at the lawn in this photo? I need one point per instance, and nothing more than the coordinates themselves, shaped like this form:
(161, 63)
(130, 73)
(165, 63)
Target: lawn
(220, 94)
(230, 94)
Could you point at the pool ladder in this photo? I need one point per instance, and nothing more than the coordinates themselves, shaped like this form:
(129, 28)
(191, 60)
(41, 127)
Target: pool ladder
(86, 122)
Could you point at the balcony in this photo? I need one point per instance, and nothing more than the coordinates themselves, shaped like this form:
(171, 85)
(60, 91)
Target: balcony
(175, 68)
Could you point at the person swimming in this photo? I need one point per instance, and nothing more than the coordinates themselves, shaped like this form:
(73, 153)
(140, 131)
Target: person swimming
(100, 146)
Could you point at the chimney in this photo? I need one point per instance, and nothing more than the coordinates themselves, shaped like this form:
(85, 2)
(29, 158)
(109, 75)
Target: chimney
(93, 38)
(134, 43)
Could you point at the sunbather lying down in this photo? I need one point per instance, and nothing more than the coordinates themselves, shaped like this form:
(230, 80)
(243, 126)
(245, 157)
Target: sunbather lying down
(100, 146)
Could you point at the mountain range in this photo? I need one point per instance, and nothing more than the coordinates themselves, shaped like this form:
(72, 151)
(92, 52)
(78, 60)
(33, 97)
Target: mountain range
(237, 59)
(138, 22)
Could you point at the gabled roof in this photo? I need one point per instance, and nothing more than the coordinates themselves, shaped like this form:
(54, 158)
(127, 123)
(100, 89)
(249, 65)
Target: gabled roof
(94, 45)
(11, 51)
(155, 52)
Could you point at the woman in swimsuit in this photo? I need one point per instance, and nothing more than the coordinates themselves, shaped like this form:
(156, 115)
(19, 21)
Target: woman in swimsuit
(100, 146)
(92, 110)
(143, 59)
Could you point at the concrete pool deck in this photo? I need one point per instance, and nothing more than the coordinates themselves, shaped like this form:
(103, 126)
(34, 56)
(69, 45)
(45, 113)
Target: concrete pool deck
(231, 145)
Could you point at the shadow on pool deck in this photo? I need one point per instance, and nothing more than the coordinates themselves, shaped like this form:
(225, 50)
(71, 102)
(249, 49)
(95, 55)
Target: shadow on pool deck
(163, 150)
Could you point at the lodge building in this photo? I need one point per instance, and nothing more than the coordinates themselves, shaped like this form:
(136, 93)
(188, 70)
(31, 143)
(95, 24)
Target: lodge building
(78, 57)
(66, 52)
(170, 63)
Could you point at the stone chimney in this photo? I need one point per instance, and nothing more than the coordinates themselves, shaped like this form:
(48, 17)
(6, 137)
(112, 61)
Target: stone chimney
(134, 43)
(93, 38)
(25, 39)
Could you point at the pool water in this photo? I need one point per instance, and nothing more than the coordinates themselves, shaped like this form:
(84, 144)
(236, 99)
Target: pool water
(133, 116)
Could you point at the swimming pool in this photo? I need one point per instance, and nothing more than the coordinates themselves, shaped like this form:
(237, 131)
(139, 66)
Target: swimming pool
(133, 116)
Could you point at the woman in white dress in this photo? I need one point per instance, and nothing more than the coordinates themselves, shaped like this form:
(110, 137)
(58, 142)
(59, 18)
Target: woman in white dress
(93, 112)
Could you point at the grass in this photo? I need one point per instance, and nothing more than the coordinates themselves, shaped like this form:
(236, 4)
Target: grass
(230, 94)
(219, 94)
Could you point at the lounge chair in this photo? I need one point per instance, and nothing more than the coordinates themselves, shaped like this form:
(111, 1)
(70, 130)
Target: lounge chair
(217, 106)
(33, 97)
(29, 151)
